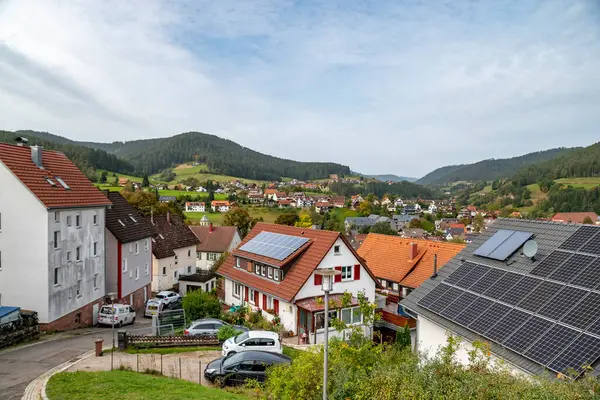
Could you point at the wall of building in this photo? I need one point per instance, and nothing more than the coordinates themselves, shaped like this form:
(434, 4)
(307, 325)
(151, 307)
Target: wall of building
(23, 247)
(137, 299)
(186, 258)
(129, 283)
(112, 263)
(63, 297)
(207, 286)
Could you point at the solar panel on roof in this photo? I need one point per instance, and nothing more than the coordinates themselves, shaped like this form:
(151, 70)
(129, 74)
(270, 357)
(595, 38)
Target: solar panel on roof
(489, 318)
(594, 328)
(526, 285)
(274, 245)
(589, 277)
(579, 238)
(593, 245)
(473, 276)
(502, 244)
(527, 334)
(460, 272)
(559, 305)
(503, 284)
(550, 263)
(507, 325)
(459, 305)
(585, 312)
(536, 299)
(477, 308)
(433, 295)
(585, 350)
(486, 281)
(445, 300)
(554, 340)
(570, 268)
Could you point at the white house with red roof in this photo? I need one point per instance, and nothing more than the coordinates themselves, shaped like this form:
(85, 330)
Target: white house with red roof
(273, 270)
(52, 237)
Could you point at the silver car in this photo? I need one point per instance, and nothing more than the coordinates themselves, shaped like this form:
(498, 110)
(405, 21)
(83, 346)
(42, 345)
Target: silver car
(209, 327)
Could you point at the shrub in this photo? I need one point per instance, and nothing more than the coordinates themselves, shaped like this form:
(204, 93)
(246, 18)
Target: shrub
(255, 317)
(199, 304)
(226, 332)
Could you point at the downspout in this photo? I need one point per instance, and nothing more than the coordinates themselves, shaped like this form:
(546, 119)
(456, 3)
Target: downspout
(119, 269)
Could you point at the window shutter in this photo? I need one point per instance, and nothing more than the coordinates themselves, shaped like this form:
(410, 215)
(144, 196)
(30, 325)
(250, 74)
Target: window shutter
(249, 266)
(246, 293)
(264, 306)
(318, 280)
(357, 272)
(338, 278)
(276, 306)
(256, 298)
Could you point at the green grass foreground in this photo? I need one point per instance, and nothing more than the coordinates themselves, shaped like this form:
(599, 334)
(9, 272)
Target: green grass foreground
(125, 385)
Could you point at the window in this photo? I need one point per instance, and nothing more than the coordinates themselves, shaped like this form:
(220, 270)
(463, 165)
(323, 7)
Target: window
(78, 253)
(269, 302)
(395, 286)
(164, 271)
(146, 244)
(199, 255)
(270, 272)
(237, 290)
(320, 319)
(95, 219)
(68, 256)
(175, 274)
(137, 248)
(356, 317)
(336, 249)
(347, 272)
(62, 183)
(95, 248)
(124, 265)
(78, 220)
(257, 269)
(56, 276)
(276, 274)
(68, 220)
(96, 282)
(237, 262)
(121, 222)
(137, 273)
(78, 289)
(56, 239)
(132, 218)
(189, 253)
(176, 259)
(383, 283)
(131, 247)
(263, 271)
(146, 269)
(213, 256)
(189, 269)
(56, 216)
(251, 296)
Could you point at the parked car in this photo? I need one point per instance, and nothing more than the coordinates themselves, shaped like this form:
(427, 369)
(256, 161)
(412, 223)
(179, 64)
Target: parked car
(175, 305)
(253, 340)
(209, 327)
(153, 307)
(240, 367)
(116, 314)
(168, 297)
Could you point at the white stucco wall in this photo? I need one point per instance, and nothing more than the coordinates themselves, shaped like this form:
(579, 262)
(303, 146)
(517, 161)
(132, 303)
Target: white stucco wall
(129, 283)
(166, 281)
(202, 261)
(23, 247)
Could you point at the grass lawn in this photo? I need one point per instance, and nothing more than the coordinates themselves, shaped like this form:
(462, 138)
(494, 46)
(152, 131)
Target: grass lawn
(201, 172)
(109, 187)
(291, 352)
(340, 214)
(171, 350)
(176, 193)
(215, 218)
(586, 183)
(109, 385)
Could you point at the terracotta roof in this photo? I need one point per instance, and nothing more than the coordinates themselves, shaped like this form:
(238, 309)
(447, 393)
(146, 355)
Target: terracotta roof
(305, 261)
(217, 241)
(458, 226)
(323, 204)
(125, 222)
(81, 193)
(270, 191)
(575, 217)
(218, 203)
(284, 201)
(338, 199)
(388, 257)
(170, 236)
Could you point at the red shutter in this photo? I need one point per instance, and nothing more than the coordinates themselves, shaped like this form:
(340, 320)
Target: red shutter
(246, 297)
(338, 278)
(264, 307)
(256, 298)
(318, 280)
(276, 306)
(357, 272)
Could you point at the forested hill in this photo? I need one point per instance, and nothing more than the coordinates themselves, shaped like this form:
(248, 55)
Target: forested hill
(403, 189)
(488, 170)
(83, 157)
(391, 178)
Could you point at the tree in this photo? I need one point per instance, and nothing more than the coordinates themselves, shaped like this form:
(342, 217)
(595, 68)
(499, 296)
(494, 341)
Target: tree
(364, 208)
(145, 181)
(103, 177)
(383, 228)
(304, 222)
(465, 221)
(588, 220)
(478, 223)
(116, 181)
(403, 337)
(217, 264)
(239, 218)
(199, 304)
(289, 219)
(415, 223)
(210, 198)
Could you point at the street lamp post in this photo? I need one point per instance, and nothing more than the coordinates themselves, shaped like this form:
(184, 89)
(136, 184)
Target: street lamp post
(327, 279)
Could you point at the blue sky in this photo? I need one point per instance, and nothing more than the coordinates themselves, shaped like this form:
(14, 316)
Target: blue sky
(382, 86)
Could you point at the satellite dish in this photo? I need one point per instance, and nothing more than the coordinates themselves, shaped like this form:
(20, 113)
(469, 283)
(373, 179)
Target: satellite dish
(530, 248)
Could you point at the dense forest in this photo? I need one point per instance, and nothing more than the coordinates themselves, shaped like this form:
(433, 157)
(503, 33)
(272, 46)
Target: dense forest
(403, 189)
(391, 178)
(83, 157)
(488, 170)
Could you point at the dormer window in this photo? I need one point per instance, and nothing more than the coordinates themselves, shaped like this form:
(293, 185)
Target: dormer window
(237, 262)
(276, 275)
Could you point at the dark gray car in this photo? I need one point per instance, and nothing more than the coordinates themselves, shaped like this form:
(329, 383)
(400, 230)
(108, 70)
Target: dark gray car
(209, 327)
(241, 367)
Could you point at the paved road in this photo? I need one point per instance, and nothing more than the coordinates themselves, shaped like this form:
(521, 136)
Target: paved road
(22, 365)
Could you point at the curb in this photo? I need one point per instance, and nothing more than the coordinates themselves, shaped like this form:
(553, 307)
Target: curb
(36, 390)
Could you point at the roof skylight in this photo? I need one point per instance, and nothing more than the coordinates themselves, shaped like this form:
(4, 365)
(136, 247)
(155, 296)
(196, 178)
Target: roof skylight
(62, 183)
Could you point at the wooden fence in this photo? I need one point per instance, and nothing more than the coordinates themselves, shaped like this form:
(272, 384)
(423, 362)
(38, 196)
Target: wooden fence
(168, 341)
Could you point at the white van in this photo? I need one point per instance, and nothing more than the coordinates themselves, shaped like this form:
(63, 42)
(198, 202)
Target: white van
(153, 307)
(253, 340)
(117, 314)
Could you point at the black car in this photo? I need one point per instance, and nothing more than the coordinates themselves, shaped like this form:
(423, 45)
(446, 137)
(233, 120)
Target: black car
(240, 367)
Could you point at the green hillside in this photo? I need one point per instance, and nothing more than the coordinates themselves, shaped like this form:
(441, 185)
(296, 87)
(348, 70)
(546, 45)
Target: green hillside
(391, 178)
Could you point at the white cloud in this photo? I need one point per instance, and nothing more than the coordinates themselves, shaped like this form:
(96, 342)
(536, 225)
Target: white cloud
(380, 86)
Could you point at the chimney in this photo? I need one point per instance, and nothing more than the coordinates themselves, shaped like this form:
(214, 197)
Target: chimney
(210, 227)
(434, 266)
(105, 192)
(168, 217)
(413, 250)
(36, 156)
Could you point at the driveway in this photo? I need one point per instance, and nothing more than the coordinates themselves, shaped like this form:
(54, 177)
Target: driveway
(20, 366)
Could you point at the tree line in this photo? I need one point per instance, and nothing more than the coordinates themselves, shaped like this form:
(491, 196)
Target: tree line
(403, 189)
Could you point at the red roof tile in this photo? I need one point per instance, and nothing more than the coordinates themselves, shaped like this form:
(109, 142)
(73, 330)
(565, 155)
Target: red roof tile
(575, 217)
(304, 261)
(81, 193)
(213, 239)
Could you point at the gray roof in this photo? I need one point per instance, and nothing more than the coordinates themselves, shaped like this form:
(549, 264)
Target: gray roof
(402, 217)
(548, 235)
(359, 222)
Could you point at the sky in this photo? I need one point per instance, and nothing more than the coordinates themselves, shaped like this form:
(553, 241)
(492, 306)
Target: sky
(382, 86)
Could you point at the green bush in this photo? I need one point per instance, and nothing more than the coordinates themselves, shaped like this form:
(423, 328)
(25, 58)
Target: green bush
(226, 332)
(200, 304)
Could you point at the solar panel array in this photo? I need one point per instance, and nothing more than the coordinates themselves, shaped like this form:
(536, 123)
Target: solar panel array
(502, 244)
(274, 245)
(551, 316)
